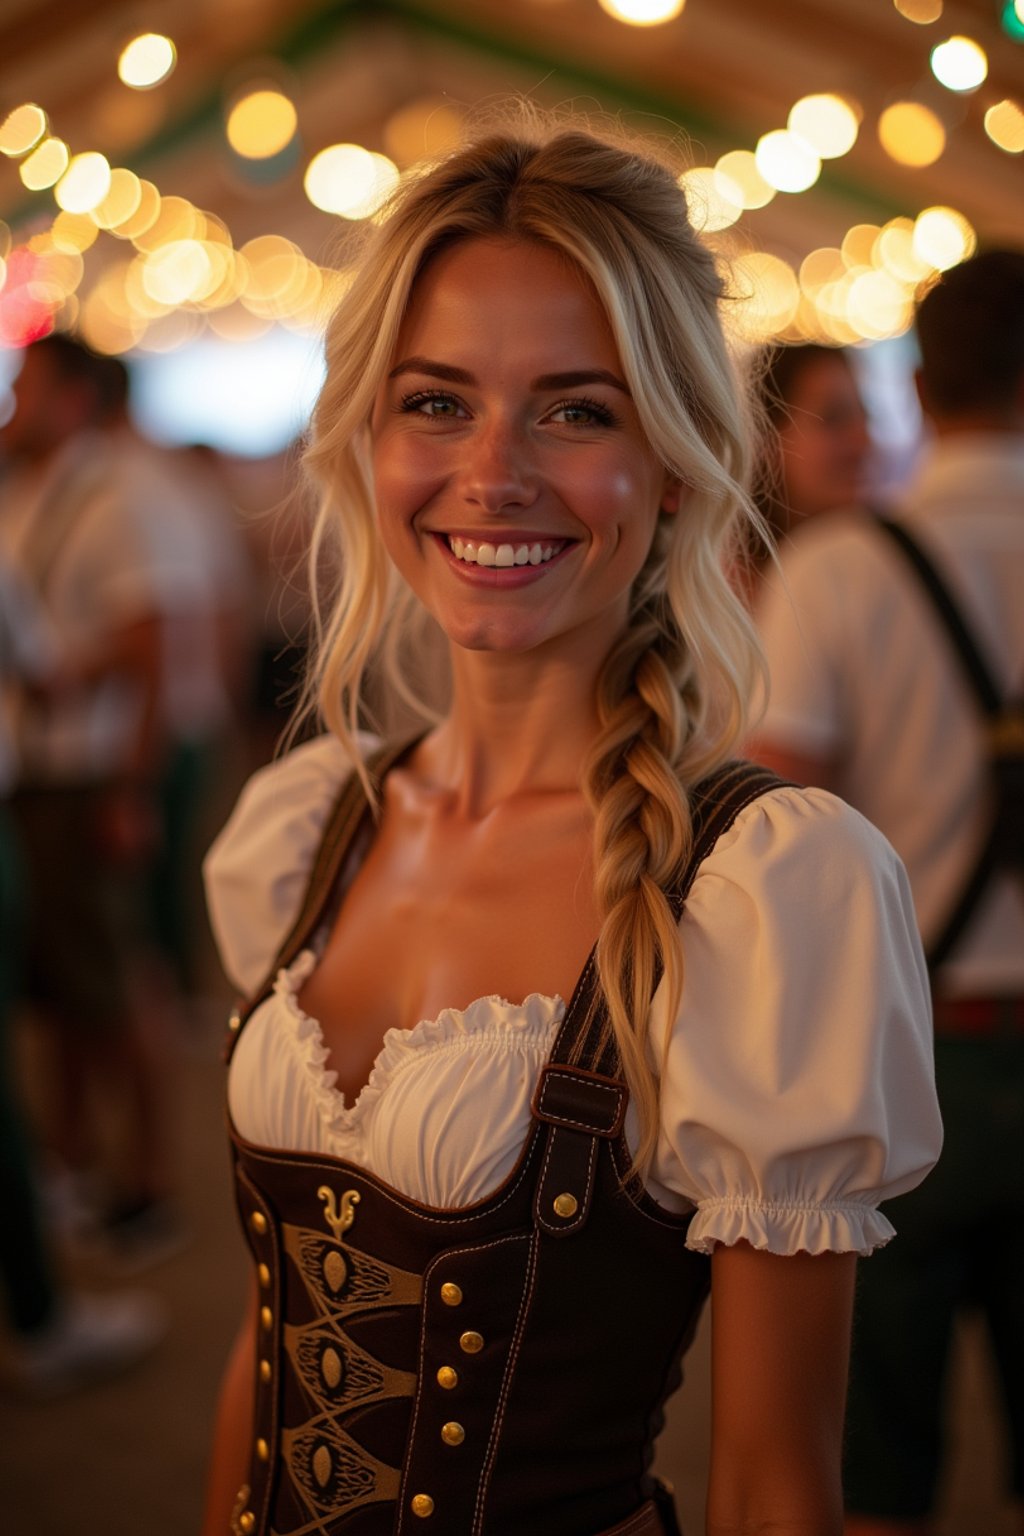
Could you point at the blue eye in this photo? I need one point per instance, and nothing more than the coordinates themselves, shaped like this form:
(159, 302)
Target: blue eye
(433, 403)
(583, 413)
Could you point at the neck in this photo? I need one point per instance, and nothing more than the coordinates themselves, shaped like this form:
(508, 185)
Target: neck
(519, 724)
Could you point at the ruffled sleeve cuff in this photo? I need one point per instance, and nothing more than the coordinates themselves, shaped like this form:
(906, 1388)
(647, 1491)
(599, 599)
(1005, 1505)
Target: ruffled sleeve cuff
(840, 1227)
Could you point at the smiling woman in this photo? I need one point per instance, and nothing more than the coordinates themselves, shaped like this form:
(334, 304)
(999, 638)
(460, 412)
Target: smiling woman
(465, 1196)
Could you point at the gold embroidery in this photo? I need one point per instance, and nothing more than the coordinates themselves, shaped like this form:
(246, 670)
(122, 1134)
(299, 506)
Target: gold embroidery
(339, 1220)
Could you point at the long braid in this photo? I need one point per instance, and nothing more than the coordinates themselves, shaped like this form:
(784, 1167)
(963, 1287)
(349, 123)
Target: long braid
(642, 834)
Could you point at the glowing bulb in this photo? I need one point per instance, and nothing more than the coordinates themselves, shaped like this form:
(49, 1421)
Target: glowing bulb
(920, 11)
(959, 64)
(911, 134)
(786, 161)
(84, 184)
(943, 237)
(768, 296)
(1004, 124)
(643, 13)
(349, 180)
(827, 123)
(711, 208)
(261, 124)
(738, 179)
(21, 129)
(146, 61)
(45, 165)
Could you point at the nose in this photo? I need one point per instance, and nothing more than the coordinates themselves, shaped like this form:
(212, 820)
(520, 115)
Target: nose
(498, 472)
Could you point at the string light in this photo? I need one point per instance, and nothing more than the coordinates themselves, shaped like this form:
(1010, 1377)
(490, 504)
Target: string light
(960, 64)
(643, 13)
(146, 61)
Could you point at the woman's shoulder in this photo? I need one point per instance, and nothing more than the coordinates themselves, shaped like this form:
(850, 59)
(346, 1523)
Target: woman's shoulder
(256, 870)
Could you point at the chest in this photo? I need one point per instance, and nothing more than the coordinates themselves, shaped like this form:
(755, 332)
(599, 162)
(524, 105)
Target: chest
(437, 916)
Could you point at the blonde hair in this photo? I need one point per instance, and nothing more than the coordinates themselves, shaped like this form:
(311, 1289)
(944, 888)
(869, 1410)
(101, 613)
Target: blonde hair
(673, 693)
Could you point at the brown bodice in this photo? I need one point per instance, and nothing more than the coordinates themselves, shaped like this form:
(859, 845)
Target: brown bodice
(489, 1371)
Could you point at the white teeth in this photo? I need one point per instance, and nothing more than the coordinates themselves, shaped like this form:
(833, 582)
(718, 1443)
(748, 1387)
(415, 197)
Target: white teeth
(503, 555)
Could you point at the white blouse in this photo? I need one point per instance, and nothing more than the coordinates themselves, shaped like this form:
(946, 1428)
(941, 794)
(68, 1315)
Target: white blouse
(797, 1089)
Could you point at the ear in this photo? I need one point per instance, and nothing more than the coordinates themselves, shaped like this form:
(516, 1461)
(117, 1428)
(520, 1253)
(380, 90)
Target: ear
(673, 495)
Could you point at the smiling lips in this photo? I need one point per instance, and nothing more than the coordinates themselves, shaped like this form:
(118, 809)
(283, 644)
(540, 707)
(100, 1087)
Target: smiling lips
(505, 555)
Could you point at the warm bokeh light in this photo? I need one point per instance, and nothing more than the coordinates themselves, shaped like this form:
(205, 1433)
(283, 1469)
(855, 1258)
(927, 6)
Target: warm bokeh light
(147, 60)
(920, 11)
(177, 219)
(3, 273)
(767, 296)
(878, 306)
(786, 162)
(73, 232)
(894, 251)
(45, 166)
(911, 134)
(827, 123)
(859, 244)
(960, 64)
(738, 179)
(123, 198)
(422, 129)
(943, 237)
(349, 180)
(21, 129)
(84, 184)
(177, 273)
(710, 208)
(261, 124)
(144, 217)
(1004, 124)
(643, 13)
(825, 265)
(5, 240)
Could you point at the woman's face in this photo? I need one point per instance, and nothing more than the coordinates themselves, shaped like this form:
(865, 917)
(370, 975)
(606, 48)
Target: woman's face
(824, 443)
(516, 491)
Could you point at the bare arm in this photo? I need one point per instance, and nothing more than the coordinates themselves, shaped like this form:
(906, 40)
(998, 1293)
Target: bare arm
(780, 1344)
(233, 1428)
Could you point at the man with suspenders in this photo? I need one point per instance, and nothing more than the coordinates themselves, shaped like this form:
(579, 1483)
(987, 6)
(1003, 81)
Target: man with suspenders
(896, 651)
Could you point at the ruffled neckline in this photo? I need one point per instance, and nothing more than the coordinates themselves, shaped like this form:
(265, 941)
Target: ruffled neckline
(529, 1024)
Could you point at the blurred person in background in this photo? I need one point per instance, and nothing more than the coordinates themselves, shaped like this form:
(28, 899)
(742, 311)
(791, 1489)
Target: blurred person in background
(91, 752)
(208, 657)
(815, 447)
(872, 696)
(59, 1339)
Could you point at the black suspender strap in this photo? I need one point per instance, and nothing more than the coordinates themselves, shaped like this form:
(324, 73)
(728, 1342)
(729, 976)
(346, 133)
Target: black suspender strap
(976, 668)
(581, 1095)
(1005, 741)
(343, 822)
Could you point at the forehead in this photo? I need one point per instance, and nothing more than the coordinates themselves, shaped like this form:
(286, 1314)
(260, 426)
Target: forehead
(507, 296)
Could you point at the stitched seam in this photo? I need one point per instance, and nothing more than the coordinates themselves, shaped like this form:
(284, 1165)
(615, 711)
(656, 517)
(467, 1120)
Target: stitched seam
(638, 1522)
(337, 1164)
(273, 1387)
(439, 1259)
(553, 1072)
(506, 1383)
(543, 1191)
(674, 1220)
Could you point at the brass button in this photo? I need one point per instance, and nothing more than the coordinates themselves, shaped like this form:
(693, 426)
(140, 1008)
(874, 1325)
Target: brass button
(451, 1294)
(264, 1275)
(566, 1205)
(266, 1318)
(247, 1521)
(471, 1343)
(265, 1371)
(452, 1433)
(447, 1377)
(262, 1450)
(258, 1222)
(235, 1021)
(422, 1504)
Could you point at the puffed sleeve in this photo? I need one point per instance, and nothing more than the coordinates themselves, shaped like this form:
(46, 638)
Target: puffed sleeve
(798, 1085)
(258, 867)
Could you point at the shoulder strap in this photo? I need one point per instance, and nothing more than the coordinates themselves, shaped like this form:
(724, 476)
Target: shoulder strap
(343, 822)
(584, 1038)
(976, 669)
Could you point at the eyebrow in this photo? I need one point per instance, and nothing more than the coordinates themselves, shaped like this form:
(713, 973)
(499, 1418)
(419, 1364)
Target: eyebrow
(451, 375)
